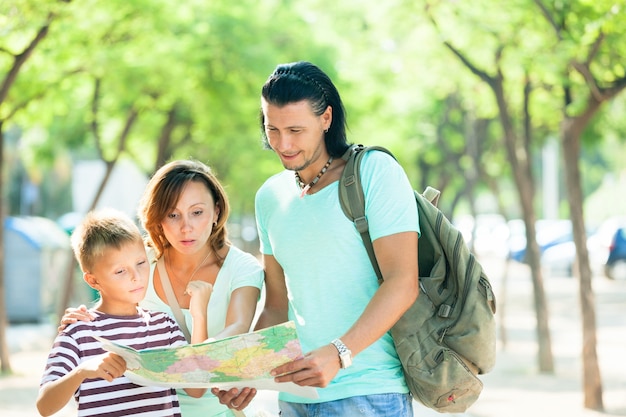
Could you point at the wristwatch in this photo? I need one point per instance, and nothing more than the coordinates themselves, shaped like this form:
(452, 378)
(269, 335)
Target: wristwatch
(345, 355)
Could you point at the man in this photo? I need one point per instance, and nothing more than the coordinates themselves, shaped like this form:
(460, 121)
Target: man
(317, 271)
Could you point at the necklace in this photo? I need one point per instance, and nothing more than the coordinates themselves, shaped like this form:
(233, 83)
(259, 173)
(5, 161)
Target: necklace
(194, 271)
(306, 187)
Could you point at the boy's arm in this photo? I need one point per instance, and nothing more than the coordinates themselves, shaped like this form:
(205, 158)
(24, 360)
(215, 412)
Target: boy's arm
(55, 394)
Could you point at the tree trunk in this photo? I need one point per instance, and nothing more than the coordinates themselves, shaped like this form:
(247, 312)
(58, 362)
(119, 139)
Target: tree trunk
(165, 139)
(110, 165)
(6, 84)
(5, 363)
(519, 158)
(592, 380)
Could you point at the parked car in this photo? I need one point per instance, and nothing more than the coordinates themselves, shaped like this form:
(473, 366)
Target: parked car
(615, 266)
(485, 235)
(549, 233)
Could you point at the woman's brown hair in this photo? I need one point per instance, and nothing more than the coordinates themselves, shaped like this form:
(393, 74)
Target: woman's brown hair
(162, 194)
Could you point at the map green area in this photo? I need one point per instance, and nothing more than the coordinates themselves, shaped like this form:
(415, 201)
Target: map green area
(238, 361)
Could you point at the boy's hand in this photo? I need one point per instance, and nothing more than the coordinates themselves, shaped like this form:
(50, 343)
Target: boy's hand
(106, 366)
(200, 293)
(72, 315)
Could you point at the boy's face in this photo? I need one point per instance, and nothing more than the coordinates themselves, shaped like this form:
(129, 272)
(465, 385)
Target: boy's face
(121, 276)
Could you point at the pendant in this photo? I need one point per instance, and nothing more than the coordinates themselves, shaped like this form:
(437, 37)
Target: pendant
(305, 190)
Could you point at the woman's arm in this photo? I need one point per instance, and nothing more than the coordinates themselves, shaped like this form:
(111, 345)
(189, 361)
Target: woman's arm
(275, 310)
(72, 315)
(200, 293)
(241, 311)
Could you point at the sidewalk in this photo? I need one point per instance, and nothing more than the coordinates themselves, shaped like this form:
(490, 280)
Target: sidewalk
(513, 389)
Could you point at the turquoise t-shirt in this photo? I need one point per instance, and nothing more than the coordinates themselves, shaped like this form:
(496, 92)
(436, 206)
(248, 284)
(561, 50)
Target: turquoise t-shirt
(328, 274)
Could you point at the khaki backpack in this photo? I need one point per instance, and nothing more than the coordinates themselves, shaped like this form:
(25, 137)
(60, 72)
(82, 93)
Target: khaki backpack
(448, 335)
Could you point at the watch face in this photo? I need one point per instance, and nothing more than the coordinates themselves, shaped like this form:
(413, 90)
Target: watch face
(346, 360)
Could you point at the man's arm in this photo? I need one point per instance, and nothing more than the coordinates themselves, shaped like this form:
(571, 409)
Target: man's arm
(397, 258)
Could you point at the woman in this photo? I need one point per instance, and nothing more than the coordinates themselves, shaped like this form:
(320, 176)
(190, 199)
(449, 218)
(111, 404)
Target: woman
(185, 210)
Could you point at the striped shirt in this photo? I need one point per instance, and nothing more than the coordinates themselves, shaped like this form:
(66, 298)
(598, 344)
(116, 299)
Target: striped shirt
(97, 397)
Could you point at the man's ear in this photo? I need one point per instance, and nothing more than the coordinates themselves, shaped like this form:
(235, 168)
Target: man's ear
(91, 280)
(327, 117)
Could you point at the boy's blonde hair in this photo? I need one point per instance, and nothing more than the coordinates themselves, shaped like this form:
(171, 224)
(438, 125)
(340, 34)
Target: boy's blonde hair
(101, 230)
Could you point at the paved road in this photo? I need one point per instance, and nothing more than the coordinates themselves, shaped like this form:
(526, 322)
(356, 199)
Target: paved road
(513, 389)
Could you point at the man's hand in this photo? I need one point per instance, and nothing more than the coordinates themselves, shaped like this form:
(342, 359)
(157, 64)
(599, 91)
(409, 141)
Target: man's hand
(316, 369)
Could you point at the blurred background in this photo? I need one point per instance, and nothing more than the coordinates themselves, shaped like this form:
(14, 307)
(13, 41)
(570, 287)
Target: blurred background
(515, 111)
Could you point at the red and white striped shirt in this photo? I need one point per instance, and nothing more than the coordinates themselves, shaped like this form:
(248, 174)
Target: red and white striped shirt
(97, 397)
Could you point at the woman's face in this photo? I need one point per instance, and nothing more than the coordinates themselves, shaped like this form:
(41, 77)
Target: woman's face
(187, 227)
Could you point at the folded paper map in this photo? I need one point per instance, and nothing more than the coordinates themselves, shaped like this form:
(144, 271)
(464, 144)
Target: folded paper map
(238, 361)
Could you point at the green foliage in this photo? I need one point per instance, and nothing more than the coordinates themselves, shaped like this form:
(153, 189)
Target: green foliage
(192, 71)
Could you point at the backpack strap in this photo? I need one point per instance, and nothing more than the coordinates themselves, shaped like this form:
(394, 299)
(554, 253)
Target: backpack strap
(352, 199)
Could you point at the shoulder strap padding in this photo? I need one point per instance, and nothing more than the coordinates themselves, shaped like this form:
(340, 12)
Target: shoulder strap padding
(352, 198)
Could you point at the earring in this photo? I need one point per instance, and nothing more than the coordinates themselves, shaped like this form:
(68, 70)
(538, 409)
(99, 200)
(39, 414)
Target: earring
(326, 130)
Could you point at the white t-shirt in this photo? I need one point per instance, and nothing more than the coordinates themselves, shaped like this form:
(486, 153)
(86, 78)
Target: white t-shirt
(240, 269)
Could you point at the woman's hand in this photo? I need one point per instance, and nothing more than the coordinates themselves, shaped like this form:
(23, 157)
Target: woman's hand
(200, 293)
(72, 315)
(235, 399)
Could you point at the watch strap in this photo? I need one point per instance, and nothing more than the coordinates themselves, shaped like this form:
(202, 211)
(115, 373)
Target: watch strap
(345, 355)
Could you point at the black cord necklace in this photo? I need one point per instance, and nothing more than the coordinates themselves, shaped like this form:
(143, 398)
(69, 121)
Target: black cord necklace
(306, 187)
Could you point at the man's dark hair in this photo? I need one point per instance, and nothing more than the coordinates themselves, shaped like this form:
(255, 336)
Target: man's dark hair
(297, 81)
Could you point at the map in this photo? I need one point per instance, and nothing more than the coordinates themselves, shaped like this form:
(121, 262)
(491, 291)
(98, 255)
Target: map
(238, 361)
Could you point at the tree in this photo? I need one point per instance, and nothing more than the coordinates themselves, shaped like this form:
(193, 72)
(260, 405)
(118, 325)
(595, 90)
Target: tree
(593, 75)
(582, 66)
(13, 63)
(155, 81)
(517, 139)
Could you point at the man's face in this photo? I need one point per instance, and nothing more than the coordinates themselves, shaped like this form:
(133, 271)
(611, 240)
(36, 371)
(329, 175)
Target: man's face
(296, 134)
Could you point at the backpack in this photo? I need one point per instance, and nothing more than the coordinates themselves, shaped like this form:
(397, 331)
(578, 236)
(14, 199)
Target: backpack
(447, 337)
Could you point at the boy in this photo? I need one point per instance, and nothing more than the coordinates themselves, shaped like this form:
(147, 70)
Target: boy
(112, 256)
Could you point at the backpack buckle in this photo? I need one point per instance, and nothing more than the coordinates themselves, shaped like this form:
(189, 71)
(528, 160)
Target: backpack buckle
(361, 224)
(444, 310)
